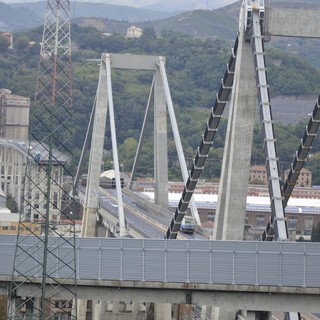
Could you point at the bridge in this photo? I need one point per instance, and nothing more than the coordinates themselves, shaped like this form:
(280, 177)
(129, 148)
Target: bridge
(248, 270)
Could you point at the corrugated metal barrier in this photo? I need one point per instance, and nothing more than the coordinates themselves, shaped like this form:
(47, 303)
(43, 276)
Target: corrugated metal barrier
(196, 261)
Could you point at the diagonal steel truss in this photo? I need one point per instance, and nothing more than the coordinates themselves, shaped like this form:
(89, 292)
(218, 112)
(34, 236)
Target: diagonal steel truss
(46, 213)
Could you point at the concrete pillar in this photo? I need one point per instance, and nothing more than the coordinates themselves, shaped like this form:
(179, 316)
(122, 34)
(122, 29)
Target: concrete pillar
(102, 231)
(98, 309)
(82, 310)
(231, 208)
(91, 202)
(160, 143)
(135, 310)
(115, 310)
(162, 311)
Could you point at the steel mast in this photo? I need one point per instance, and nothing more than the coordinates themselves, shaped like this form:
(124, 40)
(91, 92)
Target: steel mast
(46, 214)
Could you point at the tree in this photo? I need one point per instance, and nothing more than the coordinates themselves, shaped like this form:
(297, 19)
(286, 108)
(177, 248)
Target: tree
(22, 43)
(12, 204)
(313, 165)
(4, 44)
(315, 234)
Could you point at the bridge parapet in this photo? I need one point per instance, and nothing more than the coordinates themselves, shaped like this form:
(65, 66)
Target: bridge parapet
(281, 264)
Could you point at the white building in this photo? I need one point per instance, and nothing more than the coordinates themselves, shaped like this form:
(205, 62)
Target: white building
(134, 32)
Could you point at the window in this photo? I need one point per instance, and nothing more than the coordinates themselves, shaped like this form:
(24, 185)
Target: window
(308, 223)
(292, 222)
(260, 220)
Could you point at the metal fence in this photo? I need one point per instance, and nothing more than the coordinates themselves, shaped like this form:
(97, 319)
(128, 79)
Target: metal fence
(196, 261)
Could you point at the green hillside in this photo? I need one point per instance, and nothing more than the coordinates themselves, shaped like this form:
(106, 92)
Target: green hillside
(15, 19)
(198, 24)
(194, 68)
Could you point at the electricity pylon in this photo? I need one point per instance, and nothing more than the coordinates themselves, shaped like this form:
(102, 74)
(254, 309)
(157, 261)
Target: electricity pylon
(44, 274)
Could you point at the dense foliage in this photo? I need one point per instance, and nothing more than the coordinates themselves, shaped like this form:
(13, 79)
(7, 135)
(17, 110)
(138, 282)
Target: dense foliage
(194, 69)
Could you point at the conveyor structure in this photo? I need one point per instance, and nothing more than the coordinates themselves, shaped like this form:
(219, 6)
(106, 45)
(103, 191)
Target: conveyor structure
(277, 206)
(302, 153)
(203, 149)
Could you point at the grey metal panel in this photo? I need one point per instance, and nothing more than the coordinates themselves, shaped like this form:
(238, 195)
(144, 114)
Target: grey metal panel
(30, 258)
(88, 242)
(7, 249)
(154, 244)
(269, 263)
(200, 245)
(88, 267)
(176, 245)
(66, 269)
(245, 246)
(177, 270)
(222, 267)
(154, 269)
(292, 255)
(312, 248)
(129, 244)
(267, 246)
(293, 247)
(132, 264)
(312, 271)
(298, 22)
(132, 61)
(292, 270)
(312, 265)
(154, 260)
(269, 266)
(245, 271)
(110, 262)
(222, 246)
(245, 262)
(109, 243)
(110, 258)
(200, 266)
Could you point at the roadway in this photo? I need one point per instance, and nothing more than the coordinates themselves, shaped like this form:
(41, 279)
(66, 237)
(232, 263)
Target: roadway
(143, 222)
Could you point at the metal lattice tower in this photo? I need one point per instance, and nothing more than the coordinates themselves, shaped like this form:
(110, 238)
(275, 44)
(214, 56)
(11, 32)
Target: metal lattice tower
(45, 218)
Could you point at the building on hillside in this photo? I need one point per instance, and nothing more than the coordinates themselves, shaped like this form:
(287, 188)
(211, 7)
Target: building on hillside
(106, 34)
(134, 32)
(259, 174)
(9, 37)
(14, 116)
(304, 179)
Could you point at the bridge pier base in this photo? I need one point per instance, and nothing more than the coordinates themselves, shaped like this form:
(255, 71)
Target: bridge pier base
(82, 309)
(223, 314)
(98, 309)
(162, 311)
(254, 315)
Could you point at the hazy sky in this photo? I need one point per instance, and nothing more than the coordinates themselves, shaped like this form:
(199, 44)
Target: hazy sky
(141, 3)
